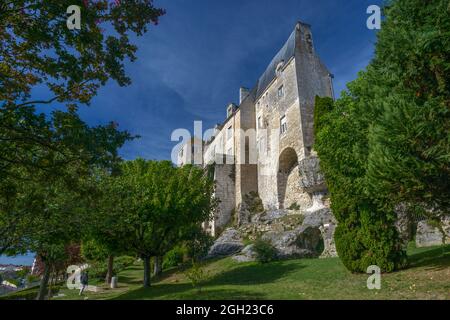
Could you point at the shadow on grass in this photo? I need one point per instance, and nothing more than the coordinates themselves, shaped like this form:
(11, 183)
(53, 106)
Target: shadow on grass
(139, 273)
(241, 275)
(437, 258)
(254, 274)
(185, 291)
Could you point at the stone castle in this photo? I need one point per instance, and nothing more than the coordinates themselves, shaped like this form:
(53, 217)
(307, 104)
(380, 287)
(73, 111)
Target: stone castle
(261, 145)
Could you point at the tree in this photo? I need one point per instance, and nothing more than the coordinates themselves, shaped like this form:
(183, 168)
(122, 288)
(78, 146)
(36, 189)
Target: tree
(158, 202)
(385, 141)
(60, 220)
(39, 50)
(36, 151)
(409, 159)
(104, 239)
(45, 162)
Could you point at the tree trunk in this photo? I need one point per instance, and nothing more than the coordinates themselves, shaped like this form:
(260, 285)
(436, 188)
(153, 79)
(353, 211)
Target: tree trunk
(157, 270)
(50, 284)
(146, 260)
(44, 281)
(109, 274)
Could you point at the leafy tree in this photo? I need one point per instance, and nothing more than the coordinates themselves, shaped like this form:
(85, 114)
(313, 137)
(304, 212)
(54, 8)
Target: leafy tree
(385, 141)
(157, 203)
(104, 239)
(39, 50)
(409, 159)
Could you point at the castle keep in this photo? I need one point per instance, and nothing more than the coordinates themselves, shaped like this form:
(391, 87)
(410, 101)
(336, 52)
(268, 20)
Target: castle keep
(263, 149)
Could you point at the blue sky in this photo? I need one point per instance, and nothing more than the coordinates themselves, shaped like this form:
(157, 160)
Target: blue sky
(192, 64)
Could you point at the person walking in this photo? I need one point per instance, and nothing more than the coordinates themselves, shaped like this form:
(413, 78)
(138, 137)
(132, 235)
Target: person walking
(84, 281)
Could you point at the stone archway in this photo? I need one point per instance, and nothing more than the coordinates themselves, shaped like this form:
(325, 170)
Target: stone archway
(287, 176)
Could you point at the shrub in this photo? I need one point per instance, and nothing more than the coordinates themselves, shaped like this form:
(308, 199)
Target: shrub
(294, 206)
(253, 202)
(197, 275)
(265, 251)
(174, 257)
(32, 278)
(198, 245)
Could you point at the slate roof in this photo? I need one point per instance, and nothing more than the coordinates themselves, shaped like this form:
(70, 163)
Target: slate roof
(285, 53)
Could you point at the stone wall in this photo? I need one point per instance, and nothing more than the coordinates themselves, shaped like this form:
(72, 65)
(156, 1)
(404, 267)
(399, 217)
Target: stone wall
(245, 150)
(224, 176)
(312, 79)
(428, 235)
(270, 108)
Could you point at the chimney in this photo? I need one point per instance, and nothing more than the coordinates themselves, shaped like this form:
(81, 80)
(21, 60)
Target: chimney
(243, 93)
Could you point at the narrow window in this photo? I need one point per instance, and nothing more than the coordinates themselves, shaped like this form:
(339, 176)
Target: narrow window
(283, 125)
(280, 92)
(229, 132)
(259, 122)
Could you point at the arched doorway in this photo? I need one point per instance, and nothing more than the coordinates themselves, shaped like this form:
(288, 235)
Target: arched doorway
(287, 177)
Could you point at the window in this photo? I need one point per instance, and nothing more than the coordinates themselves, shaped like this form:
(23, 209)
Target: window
(309, 43)
(181, 151)
(229, 132)
(259, 122)
(230, 152)
(229, 111)
(283, 125)
(279, 68)
(280, 92)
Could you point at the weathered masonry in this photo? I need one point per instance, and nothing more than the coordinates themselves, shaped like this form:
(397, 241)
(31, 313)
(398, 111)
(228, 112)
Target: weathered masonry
(264, 146)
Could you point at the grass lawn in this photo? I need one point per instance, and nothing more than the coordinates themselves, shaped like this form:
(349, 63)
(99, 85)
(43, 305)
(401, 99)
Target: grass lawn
(428, 277)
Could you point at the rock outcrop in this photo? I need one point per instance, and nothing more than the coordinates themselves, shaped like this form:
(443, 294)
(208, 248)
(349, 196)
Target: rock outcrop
(293, 235)
(229, 242)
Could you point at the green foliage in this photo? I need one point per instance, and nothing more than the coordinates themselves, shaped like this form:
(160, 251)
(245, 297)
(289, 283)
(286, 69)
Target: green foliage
(253, 202)
(99, 269)
(41, 150)
(322, 106)
(14, 281)
(158, 205)
(197, 275)
(93, 251)
(73, 64)
(32, 278)
(409, 142)
(197, 244)
(47, 189)
(386, 141)
(174, 257)
(22, 273)
(294, 206)
(265, 251)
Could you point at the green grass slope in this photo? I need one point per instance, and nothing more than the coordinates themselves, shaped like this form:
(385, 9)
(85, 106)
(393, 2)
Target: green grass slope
(428, 277)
